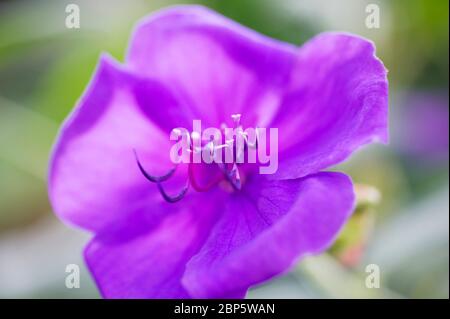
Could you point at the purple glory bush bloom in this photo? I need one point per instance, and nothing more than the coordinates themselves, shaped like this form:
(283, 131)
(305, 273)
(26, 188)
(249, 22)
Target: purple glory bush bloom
(327, 98)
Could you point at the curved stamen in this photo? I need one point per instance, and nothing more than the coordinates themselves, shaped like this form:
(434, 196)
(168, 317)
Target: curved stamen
(172, 199)
(232, 176)
(152, 178)
(247, 142)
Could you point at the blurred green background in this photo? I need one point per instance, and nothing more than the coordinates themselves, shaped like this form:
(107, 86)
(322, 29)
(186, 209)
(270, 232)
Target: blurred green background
(402, 222)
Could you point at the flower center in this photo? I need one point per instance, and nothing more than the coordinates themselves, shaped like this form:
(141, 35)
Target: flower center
(234, 147)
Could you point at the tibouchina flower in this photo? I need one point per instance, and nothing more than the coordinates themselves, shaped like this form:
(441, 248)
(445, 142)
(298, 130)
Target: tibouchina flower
(162, 230)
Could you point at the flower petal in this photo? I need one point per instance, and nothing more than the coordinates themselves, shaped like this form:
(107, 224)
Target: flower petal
(336, 102)
(264, 232)
(218, 66)
(151, 265)
(94, 179)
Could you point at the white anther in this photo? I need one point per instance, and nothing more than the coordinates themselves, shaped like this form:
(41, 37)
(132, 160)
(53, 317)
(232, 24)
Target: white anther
(195, 135)
(236, 119)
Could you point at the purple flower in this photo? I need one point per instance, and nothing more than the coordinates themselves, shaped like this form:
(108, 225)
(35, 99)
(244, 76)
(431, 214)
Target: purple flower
(327, 98)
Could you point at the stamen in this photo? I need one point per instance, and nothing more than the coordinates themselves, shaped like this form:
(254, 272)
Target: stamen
(236, 119)
(247, 142)
(172, 199)
(152, 178)
(196, 139)
(235, 177)
(232, 176)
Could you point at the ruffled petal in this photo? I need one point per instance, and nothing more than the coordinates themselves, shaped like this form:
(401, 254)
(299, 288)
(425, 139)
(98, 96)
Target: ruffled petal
(337, 101)
(151, 264)
(94, 179)
(219, 67)
(267, 229)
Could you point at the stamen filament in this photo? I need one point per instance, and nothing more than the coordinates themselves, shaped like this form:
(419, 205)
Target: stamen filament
(172, 199)
(152, 178)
